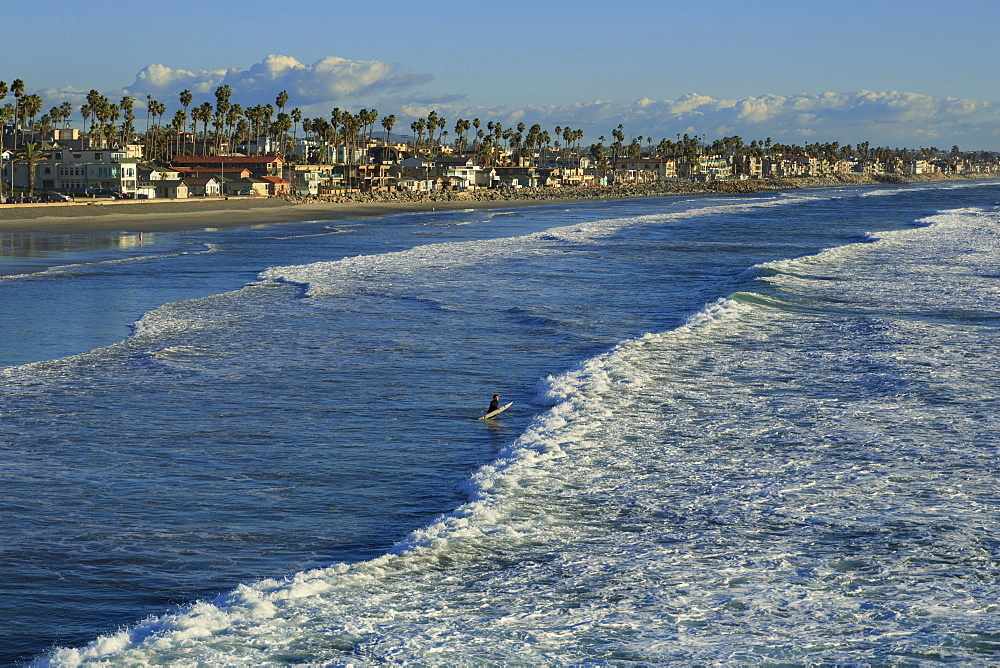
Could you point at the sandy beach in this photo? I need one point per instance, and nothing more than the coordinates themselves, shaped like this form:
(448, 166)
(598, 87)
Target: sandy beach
(166, 215)
(152, 216)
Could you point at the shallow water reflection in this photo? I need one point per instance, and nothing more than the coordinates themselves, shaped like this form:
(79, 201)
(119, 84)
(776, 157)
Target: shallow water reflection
(16, 247)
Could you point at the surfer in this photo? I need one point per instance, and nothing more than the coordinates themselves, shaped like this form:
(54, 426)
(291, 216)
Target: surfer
(495, 404)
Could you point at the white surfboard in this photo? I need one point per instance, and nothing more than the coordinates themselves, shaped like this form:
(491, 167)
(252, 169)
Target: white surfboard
(499, 410)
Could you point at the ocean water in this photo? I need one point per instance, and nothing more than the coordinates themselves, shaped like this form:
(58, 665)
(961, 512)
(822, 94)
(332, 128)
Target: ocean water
(746, 431)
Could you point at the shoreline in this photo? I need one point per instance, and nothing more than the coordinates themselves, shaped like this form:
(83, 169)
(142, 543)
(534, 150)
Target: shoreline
(171, 215)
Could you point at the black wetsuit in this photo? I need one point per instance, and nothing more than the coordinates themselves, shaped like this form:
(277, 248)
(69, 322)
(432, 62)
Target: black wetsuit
(495, 404)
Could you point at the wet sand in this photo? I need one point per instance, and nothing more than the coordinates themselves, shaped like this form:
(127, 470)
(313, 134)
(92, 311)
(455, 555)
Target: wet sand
(168, 215)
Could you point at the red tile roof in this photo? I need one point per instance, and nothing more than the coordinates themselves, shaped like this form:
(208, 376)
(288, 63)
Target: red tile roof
(225, 159)
(213, 170)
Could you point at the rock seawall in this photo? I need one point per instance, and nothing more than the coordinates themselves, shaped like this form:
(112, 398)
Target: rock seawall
(627, 190)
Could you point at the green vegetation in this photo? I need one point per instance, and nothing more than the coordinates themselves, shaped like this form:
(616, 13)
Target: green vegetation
(343, 136)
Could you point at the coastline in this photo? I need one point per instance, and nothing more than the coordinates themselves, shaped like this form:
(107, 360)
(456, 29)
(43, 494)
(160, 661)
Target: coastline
(168, 215)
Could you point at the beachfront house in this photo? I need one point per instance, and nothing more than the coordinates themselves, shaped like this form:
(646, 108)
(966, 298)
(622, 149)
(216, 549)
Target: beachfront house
(518, 177)
(203, 186)
(644, 170)
(79, 172)
(171, 189)
(5, 157)
(330, 154)
(261, 165)
(147, 174)
(308, 179)
(249, 186)
(414, 165)
(462, 173)
(790, 166)
(749, 167)
(277, 185)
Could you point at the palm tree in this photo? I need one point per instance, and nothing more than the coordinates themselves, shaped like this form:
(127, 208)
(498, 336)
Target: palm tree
(178, 123)
(99, 117)
(17, 90)
(31, 154)
(67, 111)
(86, 111)
(218, 122)
(128, 118)
(114, 113)
(253, 121)
(61, 114)
(151, 106)
(205, 116)
(186, 98)
(233, 117)
(387, 123)
(461, 127)
(260, 123)
(158, 109)
(419, 126)
(195, 117)
(45, 124)
(6, 118)
(282, 124)
(320, 129)
(94, 102)
(352, 126)
(3, 126)
(368, 121)
(149, 112)
(31, 106)
(222, 106)
(432, 123)
(241, 130)
(268, 111)
(296, 115)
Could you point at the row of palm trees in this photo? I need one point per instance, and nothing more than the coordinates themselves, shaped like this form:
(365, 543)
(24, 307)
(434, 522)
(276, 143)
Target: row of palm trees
(266, 128)
(692, 146)
(270, 129)
(24, 109)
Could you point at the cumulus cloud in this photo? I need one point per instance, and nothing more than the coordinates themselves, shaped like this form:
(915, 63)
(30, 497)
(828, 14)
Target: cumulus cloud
(330, 79)
(883, 118)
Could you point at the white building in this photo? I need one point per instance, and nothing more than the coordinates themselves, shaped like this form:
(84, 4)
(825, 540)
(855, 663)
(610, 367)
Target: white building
(80, 171)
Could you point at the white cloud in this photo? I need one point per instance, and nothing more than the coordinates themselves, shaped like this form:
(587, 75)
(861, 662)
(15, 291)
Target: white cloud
(328, 80)
(883, 118)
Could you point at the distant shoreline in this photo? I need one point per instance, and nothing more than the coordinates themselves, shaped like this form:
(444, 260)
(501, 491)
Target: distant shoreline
(168, 215)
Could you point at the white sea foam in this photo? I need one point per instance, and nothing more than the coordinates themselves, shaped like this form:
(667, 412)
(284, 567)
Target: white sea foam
(758, 485)
(329, 278)
(80, 267)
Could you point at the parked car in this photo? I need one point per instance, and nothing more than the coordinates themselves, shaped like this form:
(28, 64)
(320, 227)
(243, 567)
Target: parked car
(54, 197)
(104, 192)
(15, 199)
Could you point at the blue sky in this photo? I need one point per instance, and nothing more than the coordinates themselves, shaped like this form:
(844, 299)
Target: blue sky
(916, 73)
